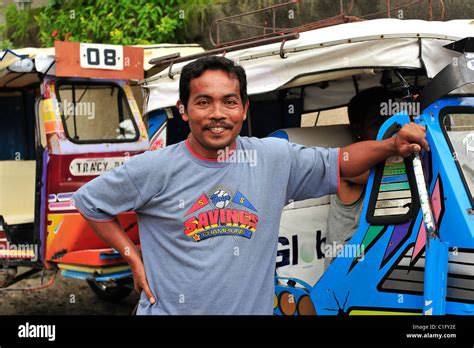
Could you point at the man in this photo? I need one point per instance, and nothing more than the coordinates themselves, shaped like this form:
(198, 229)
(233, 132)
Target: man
(346, 205)
(209, 227)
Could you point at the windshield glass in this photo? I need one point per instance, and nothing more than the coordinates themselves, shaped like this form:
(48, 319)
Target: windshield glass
(96, 112)
(460, 130)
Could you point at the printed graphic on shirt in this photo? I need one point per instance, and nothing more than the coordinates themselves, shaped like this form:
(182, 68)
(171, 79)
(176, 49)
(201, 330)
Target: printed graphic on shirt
(220, 213)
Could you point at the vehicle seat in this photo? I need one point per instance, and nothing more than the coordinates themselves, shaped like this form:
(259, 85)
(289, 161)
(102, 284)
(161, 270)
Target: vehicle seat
(321, 136)
(17, 191)
(305, 223)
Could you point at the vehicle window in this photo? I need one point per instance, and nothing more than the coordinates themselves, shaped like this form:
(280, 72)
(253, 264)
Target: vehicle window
(93, 112)
(460, 132)
(17, 126)
(325, 118)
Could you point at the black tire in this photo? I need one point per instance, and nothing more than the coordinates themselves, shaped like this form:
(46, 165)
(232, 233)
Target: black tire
(109, 292)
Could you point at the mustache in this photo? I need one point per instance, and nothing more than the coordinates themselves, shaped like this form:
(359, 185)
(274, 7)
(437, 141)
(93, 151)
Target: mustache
(224, 125)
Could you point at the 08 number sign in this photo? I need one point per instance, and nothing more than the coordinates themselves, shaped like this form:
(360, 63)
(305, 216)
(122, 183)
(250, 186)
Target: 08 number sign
(98, 56)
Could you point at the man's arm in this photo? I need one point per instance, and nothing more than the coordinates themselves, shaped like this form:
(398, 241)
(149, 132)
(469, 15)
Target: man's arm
(359, 180)
(102, 199)
(357, 158)
(114, 235)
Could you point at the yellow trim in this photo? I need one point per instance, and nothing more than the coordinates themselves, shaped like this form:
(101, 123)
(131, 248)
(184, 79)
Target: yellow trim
(27, 253)
(54, 227)
(98, 270)
(49, 111)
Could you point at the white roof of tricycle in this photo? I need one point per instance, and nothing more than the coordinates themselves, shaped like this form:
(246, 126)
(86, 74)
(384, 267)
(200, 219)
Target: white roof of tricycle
(323, 54)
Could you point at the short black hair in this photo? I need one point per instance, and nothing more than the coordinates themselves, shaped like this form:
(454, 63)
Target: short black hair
(198, 67)
(367, 103)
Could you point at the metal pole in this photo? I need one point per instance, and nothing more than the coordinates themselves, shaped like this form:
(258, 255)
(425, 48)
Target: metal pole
(436, 252)
(274, 20)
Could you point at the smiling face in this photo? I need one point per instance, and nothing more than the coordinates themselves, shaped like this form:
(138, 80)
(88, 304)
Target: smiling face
(215, 112)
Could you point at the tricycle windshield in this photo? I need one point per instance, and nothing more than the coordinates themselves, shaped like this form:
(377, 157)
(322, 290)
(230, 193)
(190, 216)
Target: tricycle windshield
(460, 132)
(95, 112)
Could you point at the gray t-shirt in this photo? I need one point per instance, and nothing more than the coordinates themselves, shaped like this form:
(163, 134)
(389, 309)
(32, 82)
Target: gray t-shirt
(343, 221)
(209, 229)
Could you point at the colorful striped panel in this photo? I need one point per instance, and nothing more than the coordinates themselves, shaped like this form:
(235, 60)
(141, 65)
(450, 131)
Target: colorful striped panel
(394, 196)
(93, 270)
(398, 186)
(394, 178)
(391, 211)
(393, 203)
(84, 275)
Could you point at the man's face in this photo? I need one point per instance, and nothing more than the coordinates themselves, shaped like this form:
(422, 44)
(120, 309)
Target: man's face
(215, 111)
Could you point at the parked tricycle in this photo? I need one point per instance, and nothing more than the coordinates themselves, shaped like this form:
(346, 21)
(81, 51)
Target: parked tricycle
(398, 261)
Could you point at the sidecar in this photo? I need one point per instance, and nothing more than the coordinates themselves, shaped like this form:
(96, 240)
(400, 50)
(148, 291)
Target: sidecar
(299, 88)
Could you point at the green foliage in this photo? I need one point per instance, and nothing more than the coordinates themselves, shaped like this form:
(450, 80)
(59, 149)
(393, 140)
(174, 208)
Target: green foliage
(17, 20)
(18, 23)
(4, 43)
(121, 22)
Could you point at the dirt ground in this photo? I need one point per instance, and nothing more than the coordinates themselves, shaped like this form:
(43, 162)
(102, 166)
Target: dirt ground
(66, 296)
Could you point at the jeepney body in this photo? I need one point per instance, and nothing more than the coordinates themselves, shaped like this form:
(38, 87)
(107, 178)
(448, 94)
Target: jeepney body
(60, 132)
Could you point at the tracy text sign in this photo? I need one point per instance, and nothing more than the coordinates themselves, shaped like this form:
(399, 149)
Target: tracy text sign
(94, 166)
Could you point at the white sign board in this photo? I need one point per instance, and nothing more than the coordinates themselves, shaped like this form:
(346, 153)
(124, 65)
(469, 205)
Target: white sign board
(99, 56)
(94, 166)
(301, 243)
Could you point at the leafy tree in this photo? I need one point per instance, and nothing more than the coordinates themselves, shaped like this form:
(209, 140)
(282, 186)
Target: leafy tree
(123, 22)
(18, 25)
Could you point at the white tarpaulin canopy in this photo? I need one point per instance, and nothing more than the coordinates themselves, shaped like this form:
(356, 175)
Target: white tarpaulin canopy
(381, 43)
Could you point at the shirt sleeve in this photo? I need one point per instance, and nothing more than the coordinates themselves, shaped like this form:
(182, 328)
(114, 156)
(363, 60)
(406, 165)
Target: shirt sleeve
(314, 172)
(108, 195)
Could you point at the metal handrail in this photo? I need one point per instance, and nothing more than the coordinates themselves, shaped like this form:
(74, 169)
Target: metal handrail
(265, 28)
(343, 17)
(164, 62)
